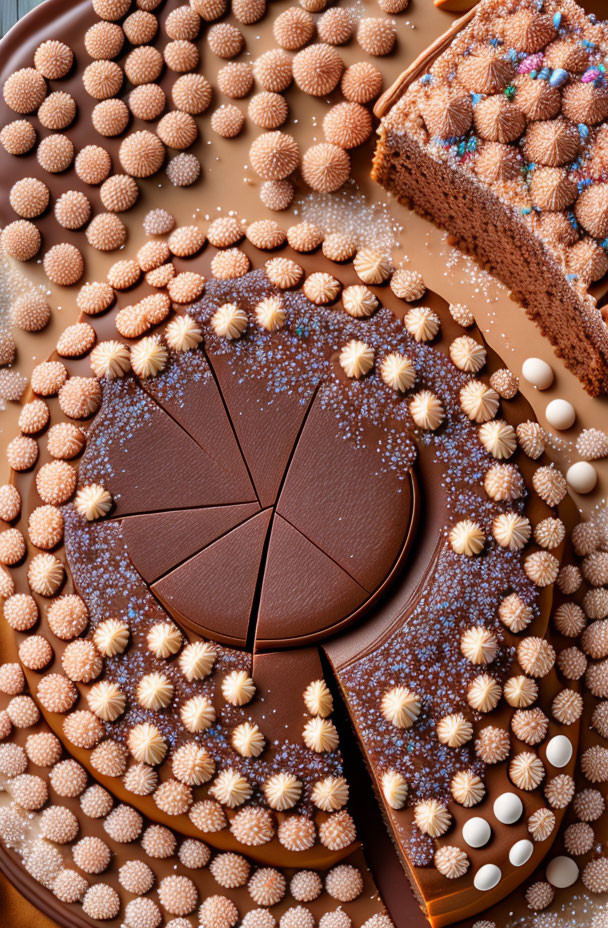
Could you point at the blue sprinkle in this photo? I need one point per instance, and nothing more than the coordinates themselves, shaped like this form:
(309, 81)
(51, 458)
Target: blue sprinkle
(588, 44)
(526, 210)
(557, 19)
(472, 143)
(571, 276)
(586, 182)
(426, 78)
(558, 77)
(544, 74)
(476, 98)
(583, 130)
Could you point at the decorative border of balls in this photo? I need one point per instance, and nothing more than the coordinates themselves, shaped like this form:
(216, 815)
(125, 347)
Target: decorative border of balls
(42, 839)
(317, 70)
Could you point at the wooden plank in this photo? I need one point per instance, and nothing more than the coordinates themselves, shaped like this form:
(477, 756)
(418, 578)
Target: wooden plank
(12, 10)
(8, 14)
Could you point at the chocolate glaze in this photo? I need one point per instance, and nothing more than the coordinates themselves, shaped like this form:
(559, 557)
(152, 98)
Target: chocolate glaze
(213, 592)
(151, 478)
(160, 541)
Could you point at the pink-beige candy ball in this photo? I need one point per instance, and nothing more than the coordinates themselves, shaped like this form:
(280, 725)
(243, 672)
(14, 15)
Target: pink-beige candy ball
(582, 477)
(560, 414)
(538, 373)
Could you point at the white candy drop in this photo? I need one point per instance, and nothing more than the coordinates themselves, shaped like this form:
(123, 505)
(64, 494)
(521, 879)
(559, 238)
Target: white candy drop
(476, 832)
(521, 852)
(538, 373)
(559, 751)
(487, 877)
(508, 808)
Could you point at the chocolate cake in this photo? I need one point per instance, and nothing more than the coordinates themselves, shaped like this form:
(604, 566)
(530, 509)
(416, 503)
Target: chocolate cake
(498, 134)
(244, 511)
(298, 626)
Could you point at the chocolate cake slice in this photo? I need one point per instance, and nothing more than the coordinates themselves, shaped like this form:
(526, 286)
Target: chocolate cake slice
(499, 133)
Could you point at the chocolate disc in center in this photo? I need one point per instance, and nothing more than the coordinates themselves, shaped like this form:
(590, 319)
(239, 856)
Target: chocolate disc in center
(253, 518)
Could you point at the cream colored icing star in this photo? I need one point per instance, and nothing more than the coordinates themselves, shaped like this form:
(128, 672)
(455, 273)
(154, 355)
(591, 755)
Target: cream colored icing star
(401, 706)
(356, 358)
(330, 794)
(110, 359)
(146, 744)
(238, 688)
(183, 333)
(197, 714)
(282, 791)
(111, 637)
(148, 357)
(398, 372)
(106, 700)
(229, 321)
(154, 691)
(93, 502)
(320, 735)
(231, 788)
(466, 537)
(317, 699)
(248, 740)
(394, 789)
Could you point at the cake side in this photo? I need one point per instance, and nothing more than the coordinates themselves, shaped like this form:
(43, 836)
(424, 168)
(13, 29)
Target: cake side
(509, 122)
(497, 237)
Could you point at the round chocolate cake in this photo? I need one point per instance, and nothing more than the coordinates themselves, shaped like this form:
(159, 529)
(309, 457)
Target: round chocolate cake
(301, 624)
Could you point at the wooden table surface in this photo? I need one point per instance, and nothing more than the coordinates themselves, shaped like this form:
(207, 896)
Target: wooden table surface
(12, 10)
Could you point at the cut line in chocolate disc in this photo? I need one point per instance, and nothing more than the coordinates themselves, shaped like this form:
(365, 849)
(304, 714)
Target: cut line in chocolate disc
(335, 527)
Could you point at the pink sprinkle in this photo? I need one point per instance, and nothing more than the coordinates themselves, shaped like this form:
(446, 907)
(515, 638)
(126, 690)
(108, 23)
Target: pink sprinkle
(531, 63)
(591, 75)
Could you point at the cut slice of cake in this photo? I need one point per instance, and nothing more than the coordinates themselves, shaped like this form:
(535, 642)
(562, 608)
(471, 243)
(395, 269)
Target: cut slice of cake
(499, 133)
